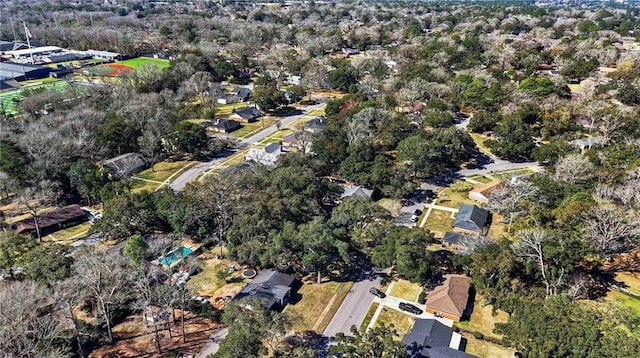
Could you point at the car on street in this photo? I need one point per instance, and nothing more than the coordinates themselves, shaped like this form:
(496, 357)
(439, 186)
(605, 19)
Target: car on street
(416, 215)
(376, 292)
(407, 307)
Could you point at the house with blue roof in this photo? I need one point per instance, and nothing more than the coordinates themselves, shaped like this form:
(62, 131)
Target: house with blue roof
(472, 220)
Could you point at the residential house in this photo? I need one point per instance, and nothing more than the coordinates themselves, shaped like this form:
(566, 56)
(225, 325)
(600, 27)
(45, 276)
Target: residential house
(431, 338)
(227, 99)
(451, 239)
(316, 125)
(290, 97)
(125, 165)
(356, 191)
(222, 125)
(267, 156)
(471, 220)
(52, 221)
(271, 288)
(482, 192)
(450, 299)
(243, 94)
(299, 140)
(246, 115)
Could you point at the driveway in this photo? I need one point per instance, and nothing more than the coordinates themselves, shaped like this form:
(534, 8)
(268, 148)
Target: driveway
(190, 174)
(213, 344)
(354, 307)
(416, 201)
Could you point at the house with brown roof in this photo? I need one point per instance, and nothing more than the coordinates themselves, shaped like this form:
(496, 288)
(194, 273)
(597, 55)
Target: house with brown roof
(482, 192)
(52, 221)
(449, 300)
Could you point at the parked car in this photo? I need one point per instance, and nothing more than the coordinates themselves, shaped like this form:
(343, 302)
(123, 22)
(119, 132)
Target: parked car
(416, 215)
(407, 307)
(376, 292)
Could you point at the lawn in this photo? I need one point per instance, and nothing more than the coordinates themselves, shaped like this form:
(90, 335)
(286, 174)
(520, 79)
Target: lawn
(227, 109)
(277, 136)
(9, 99)
(502, 176)
(498, 227)
(249, 129)
(405, 289)
(482, 319)
(141, 185)
(439, 221)
(479, 140)
(161, 171)
(313, 300)
(482, 348)
(480, 178)
(208, 284)
(70, 234)
(625, 300)
(453, 199)
(139, 61)
(401, 322)
(368, 316)
(630, 279)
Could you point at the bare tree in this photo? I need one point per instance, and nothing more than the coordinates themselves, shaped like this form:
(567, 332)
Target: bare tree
(510, 200)
(529, 245)
(28, 325)
(610, 230)
(574, 168)
(468, 244)
(68, 296)
(106, 279)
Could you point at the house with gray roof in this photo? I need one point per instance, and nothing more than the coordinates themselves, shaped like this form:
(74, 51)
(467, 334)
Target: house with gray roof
(357, 191)
(430, 338)
(246, 115)
(267, 156)
(222, 125)
(471, 219)
(272, 289)
(125, 165)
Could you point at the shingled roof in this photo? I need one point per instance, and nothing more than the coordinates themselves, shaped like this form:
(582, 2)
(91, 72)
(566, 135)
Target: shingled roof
(471, 217)
(269, 287)
(52, 220)
(451, 297)
(125, 165)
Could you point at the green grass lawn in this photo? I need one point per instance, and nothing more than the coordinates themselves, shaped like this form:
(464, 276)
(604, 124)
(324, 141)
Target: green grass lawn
(139, 61)
(479, 140)
(141, 185)
(405, 289)
(401, 322)
(314, 298)
(439, 221)
(625, 300)
(249, 129)
(70, 234)
(161, 171)
(453, 199)
(9, 99)
(368, 316)
(481, 179)
(207, 283)
(227, 109)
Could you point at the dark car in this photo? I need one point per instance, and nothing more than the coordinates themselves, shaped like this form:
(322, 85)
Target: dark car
(407, 307)
(376, 292)
(416, 215)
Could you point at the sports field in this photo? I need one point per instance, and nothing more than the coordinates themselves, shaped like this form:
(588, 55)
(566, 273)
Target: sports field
(139, 61)
(8, 99)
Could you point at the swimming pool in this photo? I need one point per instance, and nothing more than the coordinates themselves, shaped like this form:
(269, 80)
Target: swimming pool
(175, 255)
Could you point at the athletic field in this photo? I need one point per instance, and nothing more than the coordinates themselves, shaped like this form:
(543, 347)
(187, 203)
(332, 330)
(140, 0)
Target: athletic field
(8, 99)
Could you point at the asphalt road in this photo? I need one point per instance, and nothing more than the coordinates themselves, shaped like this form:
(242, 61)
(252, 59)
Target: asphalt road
(354, 307)
(190, 174)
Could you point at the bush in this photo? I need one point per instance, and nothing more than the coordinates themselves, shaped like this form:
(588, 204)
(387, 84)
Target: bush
(422, 297)
(478, 335)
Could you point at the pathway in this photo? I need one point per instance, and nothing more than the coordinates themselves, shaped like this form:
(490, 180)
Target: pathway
(213, 344)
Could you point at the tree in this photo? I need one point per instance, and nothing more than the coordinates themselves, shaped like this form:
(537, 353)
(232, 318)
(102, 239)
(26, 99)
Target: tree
(513, 200)
(343, 77)
(134, 249)
(106, 280)
(189, 138)
(249, 328)
(28, 326)
(46, 264)
(379, 342)
(87, 179)
(538, 86)
(12, 247)
(406, 249)
(67, 295)
(611, 230)
(514, 140)
(574, 168)
(111, 132)
(320, 246)
(529, 244)
(267, 96)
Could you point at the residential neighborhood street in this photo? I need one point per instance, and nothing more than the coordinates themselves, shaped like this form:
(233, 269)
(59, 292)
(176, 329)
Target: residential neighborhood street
(354, 307)
(190, 174)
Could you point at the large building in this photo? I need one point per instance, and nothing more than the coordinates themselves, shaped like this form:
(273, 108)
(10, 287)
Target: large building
(22, 72)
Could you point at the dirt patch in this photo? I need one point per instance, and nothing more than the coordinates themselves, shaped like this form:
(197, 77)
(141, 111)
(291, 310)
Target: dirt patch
(135, 339)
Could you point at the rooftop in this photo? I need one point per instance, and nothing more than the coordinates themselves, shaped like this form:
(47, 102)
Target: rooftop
(451, 297)
(471, 217)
